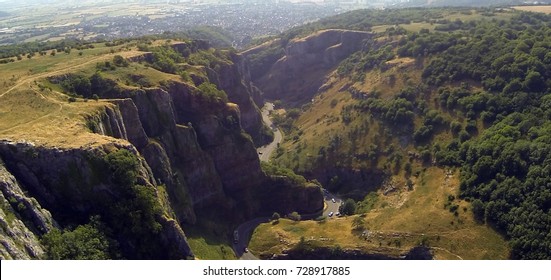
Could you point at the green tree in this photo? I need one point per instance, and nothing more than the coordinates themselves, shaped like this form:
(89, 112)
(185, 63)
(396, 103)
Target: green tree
(358, 223)
(295, 216)
(86, 242)
(120, 61)
(348, 207)
(211, 92)
(124, 166)
(478, 210)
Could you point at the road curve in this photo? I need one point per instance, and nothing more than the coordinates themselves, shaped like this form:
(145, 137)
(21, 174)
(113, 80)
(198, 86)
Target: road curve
(246, 229)
(266, 151)
(331, 206)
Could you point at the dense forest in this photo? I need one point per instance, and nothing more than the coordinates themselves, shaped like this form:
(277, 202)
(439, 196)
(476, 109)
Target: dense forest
(505, 170)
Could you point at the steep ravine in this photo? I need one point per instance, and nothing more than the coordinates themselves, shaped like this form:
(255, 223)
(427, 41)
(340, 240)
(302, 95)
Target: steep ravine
(206, 157)
(192, 146)
(298, 70)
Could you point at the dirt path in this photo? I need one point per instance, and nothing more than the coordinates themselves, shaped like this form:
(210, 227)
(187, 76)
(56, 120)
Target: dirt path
(447, 251)
(42, 75)
(50, 99)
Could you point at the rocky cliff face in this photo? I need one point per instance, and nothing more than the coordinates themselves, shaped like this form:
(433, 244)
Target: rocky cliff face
(198, 149)
(194, 146)
(22, 220)
(300, 72)
(73, 184)
(235, 80)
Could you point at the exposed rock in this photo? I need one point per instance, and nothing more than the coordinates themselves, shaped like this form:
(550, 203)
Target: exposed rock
(74, 184)
(22, 219)
(198, 149)
(297, 76)
(132, 123)
(353, 183)
(173, 237)
(196, 146)
(280, 195)
(308, 252)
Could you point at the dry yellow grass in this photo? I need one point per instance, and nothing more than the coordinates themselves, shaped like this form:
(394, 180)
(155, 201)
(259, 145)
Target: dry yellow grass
(538, 9)
(47, 118)
(43, 116)
(399, 221)
(402, 217)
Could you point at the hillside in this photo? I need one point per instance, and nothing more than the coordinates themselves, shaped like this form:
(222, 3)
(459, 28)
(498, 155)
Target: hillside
(463, 3)
(136, 149)
(462, 93)
(430, 127)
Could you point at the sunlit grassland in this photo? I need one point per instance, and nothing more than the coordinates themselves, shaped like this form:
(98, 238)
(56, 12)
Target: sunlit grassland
(42, 115)
(393, 228)
(467, 15)
(538, 9)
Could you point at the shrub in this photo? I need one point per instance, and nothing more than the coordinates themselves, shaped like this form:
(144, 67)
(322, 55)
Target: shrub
(120, 61)
(358, 223)
(294, 216)
(123, 165)
(84, 242)
(212, 93)
(348, 207)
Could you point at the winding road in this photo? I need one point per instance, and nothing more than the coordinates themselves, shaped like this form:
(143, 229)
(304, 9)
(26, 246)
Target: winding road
(331, 206)
(246, 229)
(266, 151)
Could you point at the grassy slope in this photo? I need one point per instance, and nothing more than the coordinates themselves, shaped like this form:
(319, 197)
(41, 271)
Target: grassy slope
(208, 246)
(45, 116)
(404, 218)
(416, 212)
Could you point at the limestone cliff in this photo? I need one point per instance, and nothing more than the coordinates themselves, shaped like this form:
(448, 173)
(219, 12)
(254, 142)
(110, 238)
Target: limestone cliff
(22, 220)
(300, 71)
(198, 149)
(194, 154)
(74, 184)
(234, 78)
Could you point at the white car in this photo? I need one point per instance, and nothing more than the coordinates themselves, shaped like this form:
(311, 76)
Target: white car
(330, 214)
(333, 200)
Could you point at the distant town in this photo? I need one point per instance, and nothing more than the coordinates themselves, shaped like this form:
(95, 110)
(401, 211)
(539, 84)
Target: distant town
(241, 20)
(47, 20)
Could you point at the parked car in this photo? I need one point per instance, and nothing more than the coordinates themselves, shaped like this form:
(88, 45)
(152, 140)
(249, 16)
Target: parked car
(333, 200)
(330, 214)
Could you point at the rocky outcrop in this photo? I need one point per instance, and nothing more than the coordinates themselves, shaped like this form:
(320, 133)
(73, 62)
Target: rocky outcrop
(350, 182)
(234, 78)
(22, 220)
(74, 184)
(297, 75)
(309, 252)
(279, 194)
(194, 154)
(198, 149)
